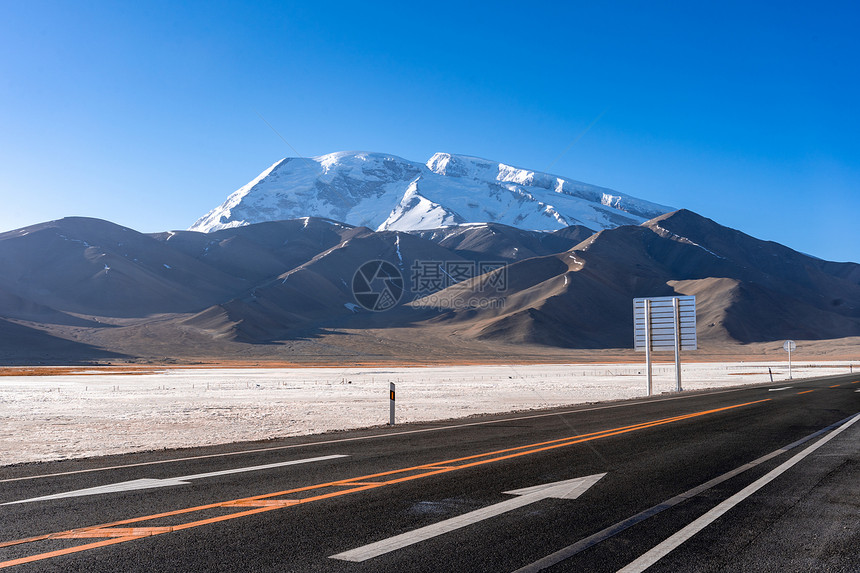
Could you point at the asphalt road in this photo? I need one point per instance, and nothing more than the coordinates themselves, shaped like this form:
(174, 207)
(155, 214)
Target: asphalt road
(760, 478)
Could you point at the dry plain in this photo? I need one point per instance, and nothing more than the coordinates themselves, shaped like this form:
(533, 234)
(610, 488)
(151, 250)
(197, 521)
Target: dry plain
(117, 410)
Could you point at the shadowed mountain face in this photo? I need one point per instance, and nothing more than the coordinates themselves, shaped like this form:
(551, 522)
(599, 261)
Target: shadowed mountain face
(319, 289)
(24, 345)
(258, 252)
(93, 267)
(250, 283)
(89, 281)
(491, 240)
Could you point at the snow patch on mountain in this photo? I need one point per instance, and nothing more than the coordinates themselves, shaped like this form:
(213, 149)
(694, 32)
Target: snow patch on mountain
(675, 237)
(417, 212)
(386, 192)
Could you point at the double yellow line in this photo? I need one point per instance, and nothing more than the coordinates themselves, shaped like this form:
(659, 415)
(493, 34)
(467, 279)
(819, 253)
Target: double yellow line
(120, 532)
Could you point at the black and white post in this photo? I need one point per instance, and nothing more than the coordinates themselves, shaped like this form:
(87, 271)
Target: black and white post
(391, 404)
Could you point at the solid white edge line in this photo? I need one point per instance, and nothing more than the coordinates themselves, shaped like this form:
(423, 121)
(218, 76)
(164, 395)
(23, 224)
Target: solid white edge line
(673, 542)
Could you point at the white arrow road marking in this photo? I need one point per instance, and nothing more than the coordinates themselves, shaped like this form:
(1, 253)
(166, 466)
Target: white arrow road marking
(147, 483)
(778, 389)
(568, 489)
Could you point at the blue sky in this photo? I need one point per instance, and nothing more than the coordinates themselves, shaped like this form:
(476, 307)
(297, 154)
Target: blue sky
(148, 114)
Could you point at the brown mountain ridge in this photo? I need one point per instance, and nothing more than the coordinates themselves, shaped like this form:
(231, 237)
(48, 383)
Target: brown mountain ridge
(89, 289)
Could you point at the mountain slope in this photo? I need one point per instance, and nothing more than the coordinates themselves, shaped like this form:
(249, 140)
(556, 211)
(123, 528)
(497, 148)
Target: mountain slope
(256, 252)
(493, 240)
(747, 290)
(388, 192)
(25, 345)
(320, 289)
(94, 289)
(90, 266)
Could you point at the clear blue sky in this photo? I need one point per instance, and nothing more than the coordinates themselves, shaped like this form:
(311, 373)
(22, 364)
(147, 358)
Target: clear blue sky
(146, 114)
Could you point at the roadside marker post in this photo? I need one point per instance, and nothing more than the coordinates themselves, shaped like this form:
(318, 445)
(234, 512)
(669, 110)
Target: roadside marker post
(391, 403)
(665, 323)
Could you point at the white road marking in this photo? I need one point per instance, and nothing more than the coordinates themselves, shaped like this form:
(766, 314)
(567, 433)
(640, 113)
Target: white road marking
(568, 489)
(778, 389)
(613, 530)
(148, 483)
(673, 542)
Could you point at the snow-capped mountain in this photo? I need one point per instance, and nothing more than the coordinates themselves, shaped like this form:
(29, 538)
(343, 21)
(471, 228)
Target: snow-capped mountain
(386, 192)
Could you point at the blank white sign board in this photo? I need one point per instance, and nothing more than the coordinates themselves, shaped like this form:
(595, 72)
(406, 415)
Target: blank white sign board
(664, 323)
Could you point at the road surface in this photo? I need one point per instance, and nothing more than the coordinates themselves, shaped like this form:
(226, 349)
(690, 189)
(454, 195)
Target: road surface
(763, 478)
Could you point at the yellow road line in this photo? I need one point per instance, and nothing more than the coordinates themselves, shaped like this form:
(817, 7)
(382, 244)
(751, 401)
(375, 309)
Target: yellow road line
(66, 551)
(264, 503)
(836, 386)
(117, 532)
(806, 392)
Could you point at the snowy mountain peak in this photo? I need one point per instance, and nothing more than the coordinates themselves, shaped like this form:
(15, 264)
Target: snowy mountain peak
(384, 191)
(220, 218)
(461, 166)
(355, 187)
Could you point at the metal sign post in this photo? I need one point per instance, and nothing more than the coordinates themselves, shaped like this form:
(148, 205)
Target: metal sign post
(664, 324)
(788, 346)
(648, 346)
(391, 403)
(676, 310)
